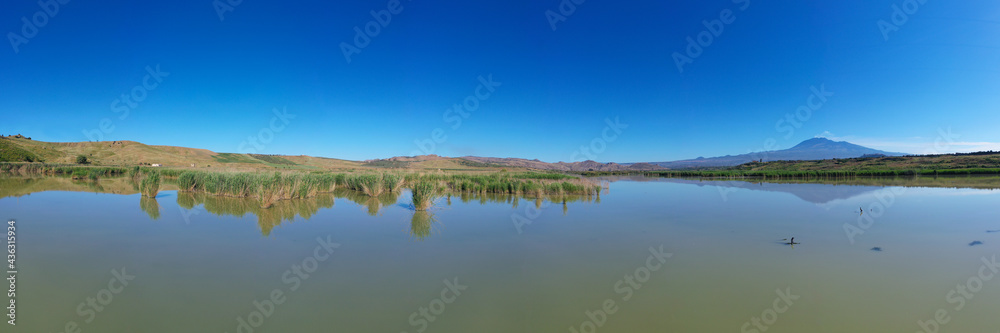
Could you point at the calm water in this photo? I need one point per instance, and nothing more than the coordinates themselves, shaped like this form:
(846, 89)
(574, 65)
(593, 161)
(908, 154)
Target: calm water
(206, 264)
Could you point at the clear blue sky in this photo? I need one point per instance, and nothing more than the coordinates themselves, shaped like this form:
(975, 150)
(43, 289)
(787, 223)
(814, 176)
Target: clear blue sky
(939, 70)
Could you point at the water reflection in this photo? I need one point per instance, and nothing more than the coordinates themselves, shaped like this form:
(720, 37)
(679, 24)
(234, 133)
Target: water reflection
(817, 191)
(420, 224)
(283, 210)
(514, 200)
(21, 186)
(150, 206)
(287, 210)
(267, 218)
(373, 205)
(573, 262)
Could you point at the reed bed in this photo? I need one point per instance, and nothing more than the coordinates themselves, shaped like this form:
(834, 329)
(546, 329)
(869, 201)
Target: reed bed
(149, 186)
(372, 184)
(423, 195)
(267, 188)
(525, 183)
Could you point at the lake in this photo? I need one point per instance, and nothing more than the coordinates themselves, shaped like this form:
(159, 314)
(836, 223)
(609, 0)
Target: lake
(651, 254)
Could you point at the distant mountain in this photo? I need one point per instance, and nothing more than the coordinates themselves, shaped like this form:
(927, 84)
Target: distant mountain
(812, 149)
(561, 166)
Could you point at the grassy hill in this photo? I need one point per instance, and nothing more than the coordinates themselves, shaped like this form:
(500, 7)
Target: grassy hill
(130, 153)
(11, 152)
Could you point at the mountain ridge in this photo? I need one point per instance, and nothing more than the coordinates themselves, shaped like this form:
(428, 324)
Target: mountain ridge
(811, 149)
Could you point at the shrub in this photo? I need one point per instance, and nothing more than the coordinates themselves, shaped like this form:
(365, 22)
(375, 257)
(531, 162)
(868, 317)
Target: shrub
(150, 184)
(423, 195)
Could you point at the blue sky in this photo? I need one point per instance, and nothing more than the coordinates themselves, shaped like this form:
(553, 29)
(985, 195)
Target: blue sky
(939, 72)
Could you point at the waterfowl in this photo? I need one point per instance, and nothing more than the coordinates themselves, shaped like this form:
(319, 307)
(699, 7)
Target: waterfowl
(791, 241)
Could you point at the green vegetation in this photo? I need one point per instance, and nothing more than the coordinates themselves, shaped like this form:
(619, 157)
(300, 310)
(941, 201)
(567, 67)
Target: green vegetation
(272, 159)
(234, 158)
(475, 164)
(370, 184)
(392, 182)
(267, 188)
(270, 188)
(423, 195)
(80, 159)
(524, 183)
(134, 173)
(387, 164)
(150, 184)
(95, 174)
(11, 152)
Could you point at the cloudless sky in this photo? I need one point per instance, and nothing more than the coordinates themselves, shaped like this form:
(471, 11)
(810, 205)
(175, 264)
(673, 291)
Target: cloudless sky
(940, 71)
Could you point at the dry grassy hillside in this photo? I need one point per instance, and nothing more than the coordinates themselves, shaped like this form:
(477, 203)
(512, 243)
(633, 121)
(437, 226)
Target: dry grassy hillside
(113, 152)
(128, 153)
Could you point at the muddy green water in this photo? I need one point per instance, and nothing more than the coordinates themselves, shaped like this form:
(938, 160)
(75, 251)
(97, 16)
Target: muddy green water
(652, 255)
